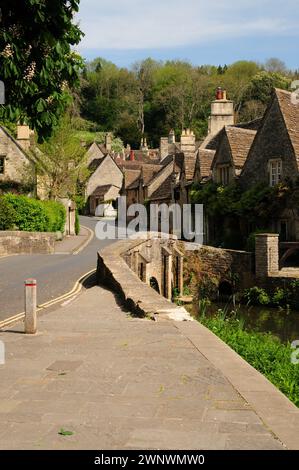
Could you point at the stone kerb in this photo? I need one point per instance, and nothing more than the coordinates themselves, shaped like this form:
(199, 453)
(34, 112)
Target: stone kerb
(138, 297)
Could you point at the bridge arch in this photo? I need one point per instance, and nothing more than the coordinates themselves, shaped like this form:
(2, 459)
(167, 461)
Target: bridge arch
(290, 258)
(225, 289)
(154, 284)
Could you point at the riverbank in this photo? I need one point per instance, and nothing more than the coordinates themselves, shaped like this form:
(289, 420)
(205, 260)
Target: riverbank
(265, 352)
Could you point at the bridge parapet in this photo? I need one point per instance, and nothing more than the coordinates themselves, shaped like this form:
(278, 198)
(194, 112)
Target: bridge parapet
(130, 266)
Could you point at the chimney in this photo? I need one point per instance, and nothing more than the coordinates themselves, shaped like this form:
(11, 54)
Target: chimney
(164, 151)
(108, 142)
(24, 136)
(171, 137)
(222, 112)
(219, 93)
(188, 142)
(144, 145)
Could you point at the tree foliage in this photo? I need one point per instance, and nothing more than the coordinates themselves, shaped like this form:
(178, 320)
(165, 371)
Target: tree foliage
(61, 162)
(152, 97)
(37, 64)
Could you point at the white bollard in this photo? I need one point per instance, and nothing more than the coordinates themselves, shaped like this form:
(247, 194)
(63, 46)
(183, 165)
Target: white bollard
(30, 306)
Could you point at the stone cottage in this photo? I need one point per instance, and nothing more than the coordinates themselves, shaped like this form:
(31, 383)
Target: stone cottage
(232, 150)
(104, 184)
(274, 159)
(16, 165)
(274, 154)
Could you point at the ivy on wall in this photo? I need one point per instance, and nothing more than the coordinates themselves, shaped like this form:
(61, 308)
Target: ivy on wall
(256, 204)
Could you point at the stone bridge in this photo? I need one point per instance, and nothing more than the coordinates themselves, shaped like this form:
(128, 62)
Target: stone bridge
(159, 263)
(166, 265)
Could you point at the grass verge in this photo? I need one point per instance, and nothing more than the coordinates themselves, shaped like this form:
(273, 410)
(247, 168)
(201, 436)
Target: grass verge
(263, 351)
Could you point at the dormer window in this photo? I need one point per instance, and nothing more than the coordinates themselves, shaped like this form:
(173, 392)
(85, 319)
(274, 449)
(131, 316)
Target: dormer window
(2, 164)
(223, 174)
(275, 171)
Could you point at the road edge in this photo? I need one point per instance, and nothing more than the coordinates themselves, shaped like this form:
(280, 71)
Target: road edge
(74, 292)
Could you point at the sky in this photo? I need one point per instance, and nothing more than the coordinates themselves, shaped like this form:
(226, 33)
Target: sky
(200, 31)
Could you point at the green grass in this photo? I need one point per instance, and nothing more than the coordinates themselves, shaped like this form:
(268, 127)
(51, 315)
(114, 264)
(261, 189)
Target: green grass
(264, 352)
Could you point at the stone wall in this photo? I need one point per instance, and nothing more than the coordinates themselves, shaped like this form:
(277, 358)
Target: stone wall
(16, 164)
(272, 141)
(12, 243)
(266, 254)
(117, 266)
(222, 114)
(202, 263)
(159, 259)
(107, 173)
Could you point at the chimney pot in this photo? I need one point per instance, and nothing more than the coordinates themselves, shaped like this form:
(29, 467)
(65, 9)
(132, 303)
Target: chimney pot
(108, 142)
(219, 93)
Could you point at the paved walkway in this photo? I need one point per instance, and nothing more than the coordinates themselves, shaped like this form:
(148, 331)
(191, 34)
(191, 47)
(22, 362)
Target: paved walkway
(71, 244)
(117, 382)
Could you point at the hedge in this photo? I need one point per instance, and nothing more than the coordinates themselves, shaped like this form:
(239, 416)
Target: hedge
(32, 215)
(7, 215)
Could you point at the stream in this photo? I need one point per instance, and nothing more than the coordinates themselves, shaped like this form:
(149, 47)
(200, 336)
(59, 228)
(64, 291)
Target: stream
(279, 322)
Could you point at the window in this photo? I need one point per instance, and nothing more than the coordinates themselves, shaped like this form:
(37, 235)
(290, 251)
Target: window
(2, 164)
(223, 174)
(275, 170)
(283, 231)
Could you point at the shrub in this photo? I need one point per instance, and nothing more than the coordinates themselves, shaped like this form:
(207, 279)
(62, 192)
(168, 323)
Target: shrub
(77, 223)
(7, 215)
(280, 297)
(257, 296)
(56, 216)
(32, 215)
(80, 203)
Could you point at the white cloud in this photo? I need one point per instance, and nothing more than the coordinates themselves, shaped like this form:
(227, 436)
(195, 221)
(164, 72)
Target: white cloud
(144, 24)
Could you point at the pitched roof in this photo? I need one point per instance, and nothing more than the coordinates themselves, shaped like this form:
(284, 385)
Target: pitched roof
(240, 141)
(189, 165)
(94, 164)
(148, 171)
(131, 178)
(205, 157)
(251, 125)
(100, 191)
(290, 112)
(128, 164)
(103, 148)
(144, 157)
(163, 191)
(29, 156)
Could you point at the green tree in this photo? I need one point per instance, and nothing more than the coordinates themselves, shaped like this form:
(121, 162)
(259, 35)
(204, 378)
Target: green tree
(261, 86)
(61, 162)
(275, 65)
(37, 63)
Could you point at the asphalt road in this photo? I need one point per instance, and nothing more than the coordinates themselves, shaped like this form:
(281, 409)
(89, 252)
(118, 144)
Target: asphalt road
(55, 274)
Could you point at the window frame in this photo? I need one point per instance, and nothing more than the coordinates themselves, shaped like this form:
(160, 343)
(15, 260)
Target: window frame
(223, 174)
(274, 177)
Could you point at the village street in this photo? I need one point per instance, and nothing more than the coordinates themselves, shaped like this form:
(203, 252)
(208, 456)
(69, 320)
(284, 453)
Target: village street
(55, 274)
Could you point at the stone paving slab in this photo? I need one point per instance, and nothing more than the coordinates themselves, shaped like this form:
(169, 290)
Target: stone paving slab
(119, 383)
(71, 243)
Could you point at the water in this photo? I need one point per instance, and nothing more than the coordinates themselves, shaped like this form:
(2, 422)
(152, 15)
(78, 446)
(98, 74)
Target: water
(281, 323)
